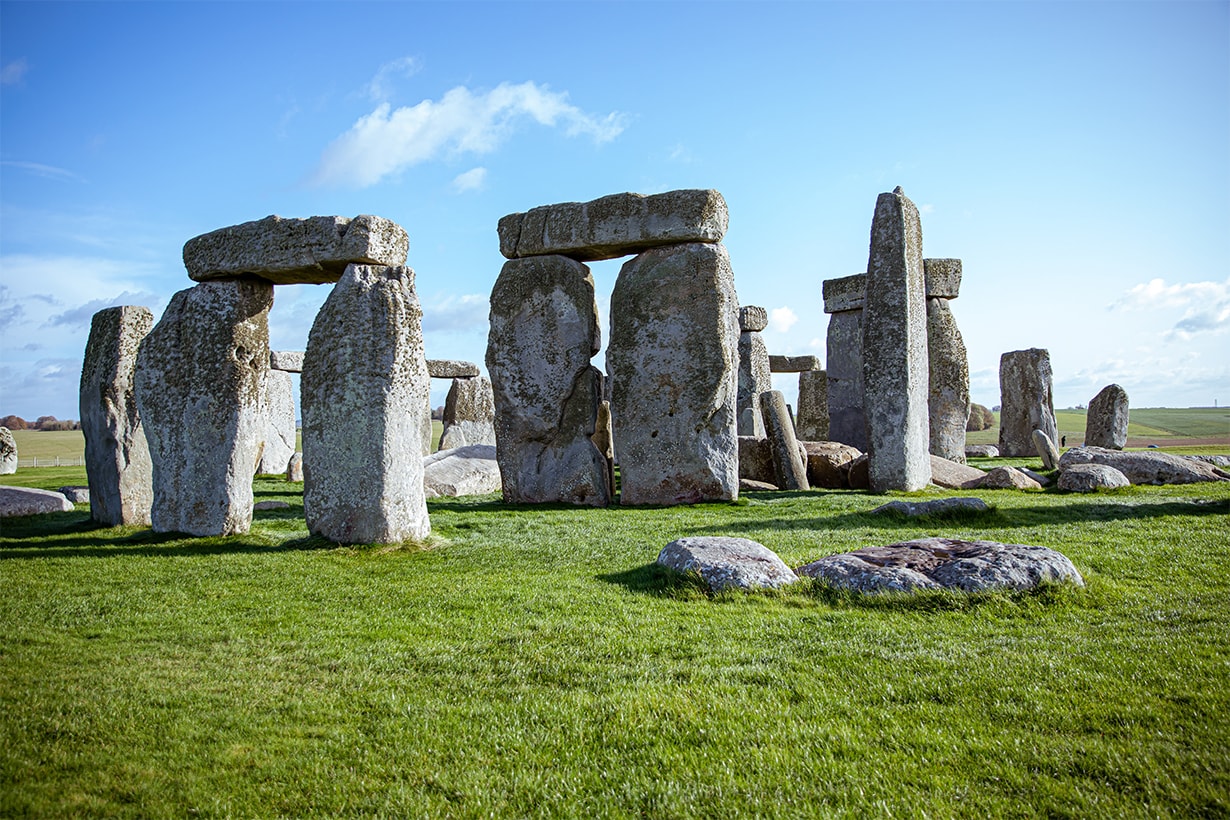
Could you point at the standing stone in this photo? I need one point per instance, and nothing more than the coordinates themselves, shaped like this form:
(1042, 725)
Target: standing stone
(1106, 423)
(199, 387)
(895, 349)
(604, 439)
(754, 374)
(1044, 445)
(117, 460)
(789, 460)
(1026, 401)
(674, 364)
(948, 375)
(364, 380)
(294, 467)
(279, 422)
(843, 299)
(811, 422)
(469, 414)
(544, 331)
(8, 452)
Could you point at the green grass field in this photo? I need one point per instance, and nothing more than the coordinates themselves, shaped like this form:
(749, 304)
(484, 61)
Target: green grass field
(533, 661)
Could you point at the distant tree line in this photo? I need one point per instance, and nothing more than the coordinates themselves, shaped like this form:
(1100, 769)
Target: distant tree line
(42, 423)
(980, 418)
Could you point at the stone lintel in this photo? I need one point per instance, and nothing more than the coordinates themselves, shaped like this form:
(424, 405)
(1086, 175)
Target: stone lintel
(753, 319)
(846, 293)
(451, 369)
(794, 364)
(289, 360)
(943, 278)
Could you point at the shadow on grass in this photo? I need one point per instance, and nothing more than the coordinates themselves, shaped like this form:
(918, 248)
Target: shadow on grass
(655, 579)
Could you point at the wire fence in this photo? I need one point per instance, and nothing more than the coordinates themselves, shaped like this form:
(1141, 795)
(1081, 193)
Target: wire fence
(51, 461)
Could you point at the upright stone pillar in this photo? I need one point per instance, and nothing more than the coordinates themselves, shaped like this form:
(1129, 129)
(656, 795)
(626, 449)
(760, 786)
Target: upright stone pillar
(1106, 423)
(895, 349)
(674, 363)
(117, 460)
(754, 375)
(544, 331)
(199, 388)
(469, 413)
(1026, 401)
(364, 383)
(280, 432)
(843, 300)
(812, 418)
(8, 452)
(948, 397)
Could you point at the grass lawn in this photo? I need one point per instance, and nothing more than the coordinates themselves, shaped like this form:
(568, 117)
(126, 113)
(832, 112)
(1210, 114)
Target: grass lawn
(533, 661)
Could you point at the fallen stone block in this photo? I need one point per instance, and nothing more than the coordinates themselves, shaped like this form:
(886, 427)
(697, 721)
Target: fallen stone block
(1089, 478)
(18, 501)
(469, 470)
(727, 563)
(1144, 467)
(918, 509)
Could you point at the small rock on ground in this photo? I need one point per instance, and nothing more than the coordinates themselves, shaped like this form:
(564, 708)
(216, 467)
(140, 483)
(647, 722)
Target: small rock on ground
(725, 563)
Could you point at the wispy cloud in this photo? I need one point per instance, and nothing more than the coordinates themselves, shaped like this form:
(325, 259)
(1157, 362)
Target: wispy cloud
(10, 311)
(388, 141)
(782, 319)
(457, 313)
(14, 72)
(381, 86)
(45, 171)
(81, 315)
(1205, 305)
(471, 180)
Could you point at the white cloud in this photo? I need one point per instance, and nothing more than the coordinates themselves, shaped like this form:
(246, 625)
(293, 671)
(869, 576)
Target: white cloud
(14, 72)
(45, 171)
(453, 313)
(471, 180)
(1205, 305)
(388, 140)
(782, 319)
(380, 87)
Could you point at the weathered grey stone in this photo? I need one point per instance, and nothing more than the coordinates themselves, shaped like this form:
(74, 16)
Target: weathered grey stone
(468, 470)
(294, 468)
(938, 506)
(315, 250)
(752, 486)
(753, 319)
(794, 364)
(981, 451)
(1148, 467)
(616, 225)
(1106, 421)
(363, 386)
(727, 563)
(846, 293)
(451, 369)
(674, 365)
(756, 459)
(828, 463)
(76, 494)
(936, 563)
(1216, 461)
(847, 416)
(895, 349)
(1046, 450)
(811, 422)
(469, 414)
(8, 452)
(604, 438)
(279, 431)
(1089, 478)
(789, 464)
(1007, 478)
(290, 361)
(856, 473)
(948, 382)
(199, 385)
(1026, 401)
(544, 330)
(19, 501)
(117, 459)
(942, 278)
(754, 379)
(1043, 481)
(954, 476)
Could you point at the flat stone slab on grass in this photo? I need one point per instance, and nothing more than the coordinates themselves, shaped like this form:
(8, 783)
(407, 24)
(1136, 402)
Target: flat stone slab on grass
(915, 509)
(727, 563)
(981, 451)
(954, 476)
(16, 501)
(944, 563)
(1089, 478)
(1006, 478)
(615, 225)
(315, 250)
(469, 470)
(1145, 467)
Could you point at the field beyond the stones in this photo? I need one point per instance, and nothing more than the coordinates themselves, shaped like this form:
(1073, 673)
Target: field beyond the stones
(533, 661)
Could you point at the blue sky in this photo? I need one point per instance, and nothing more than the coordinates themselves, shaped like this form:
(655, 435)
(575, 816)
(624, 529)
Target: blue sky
(1075, 156)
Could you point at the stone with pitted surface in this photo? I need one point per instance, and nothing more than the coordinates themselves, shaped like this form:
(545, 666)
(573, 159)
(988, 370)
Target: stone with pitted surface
(468, 470)
(19, 501)
(76, 494)
(948, 382)
(280, 432)
(811, 418)
(725, 563)
(847, 416)
(363, 388)
(315, 250)
(753, 319)
(1089, 478)
(828, 463)
(1146, 467)
(789, 460)
(1006, 478)
(294, 467)
(846, 293)
(289, 360)
(199, 384)
(469, 413)
(1026, 401)
(942, 278)
(944, 563)
(954, 475)
(615, 225)
(755, 459)
(8, 452)
(755, 378)
(794, 364)
(981, 451)
(451, 369)
(1106, 421)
